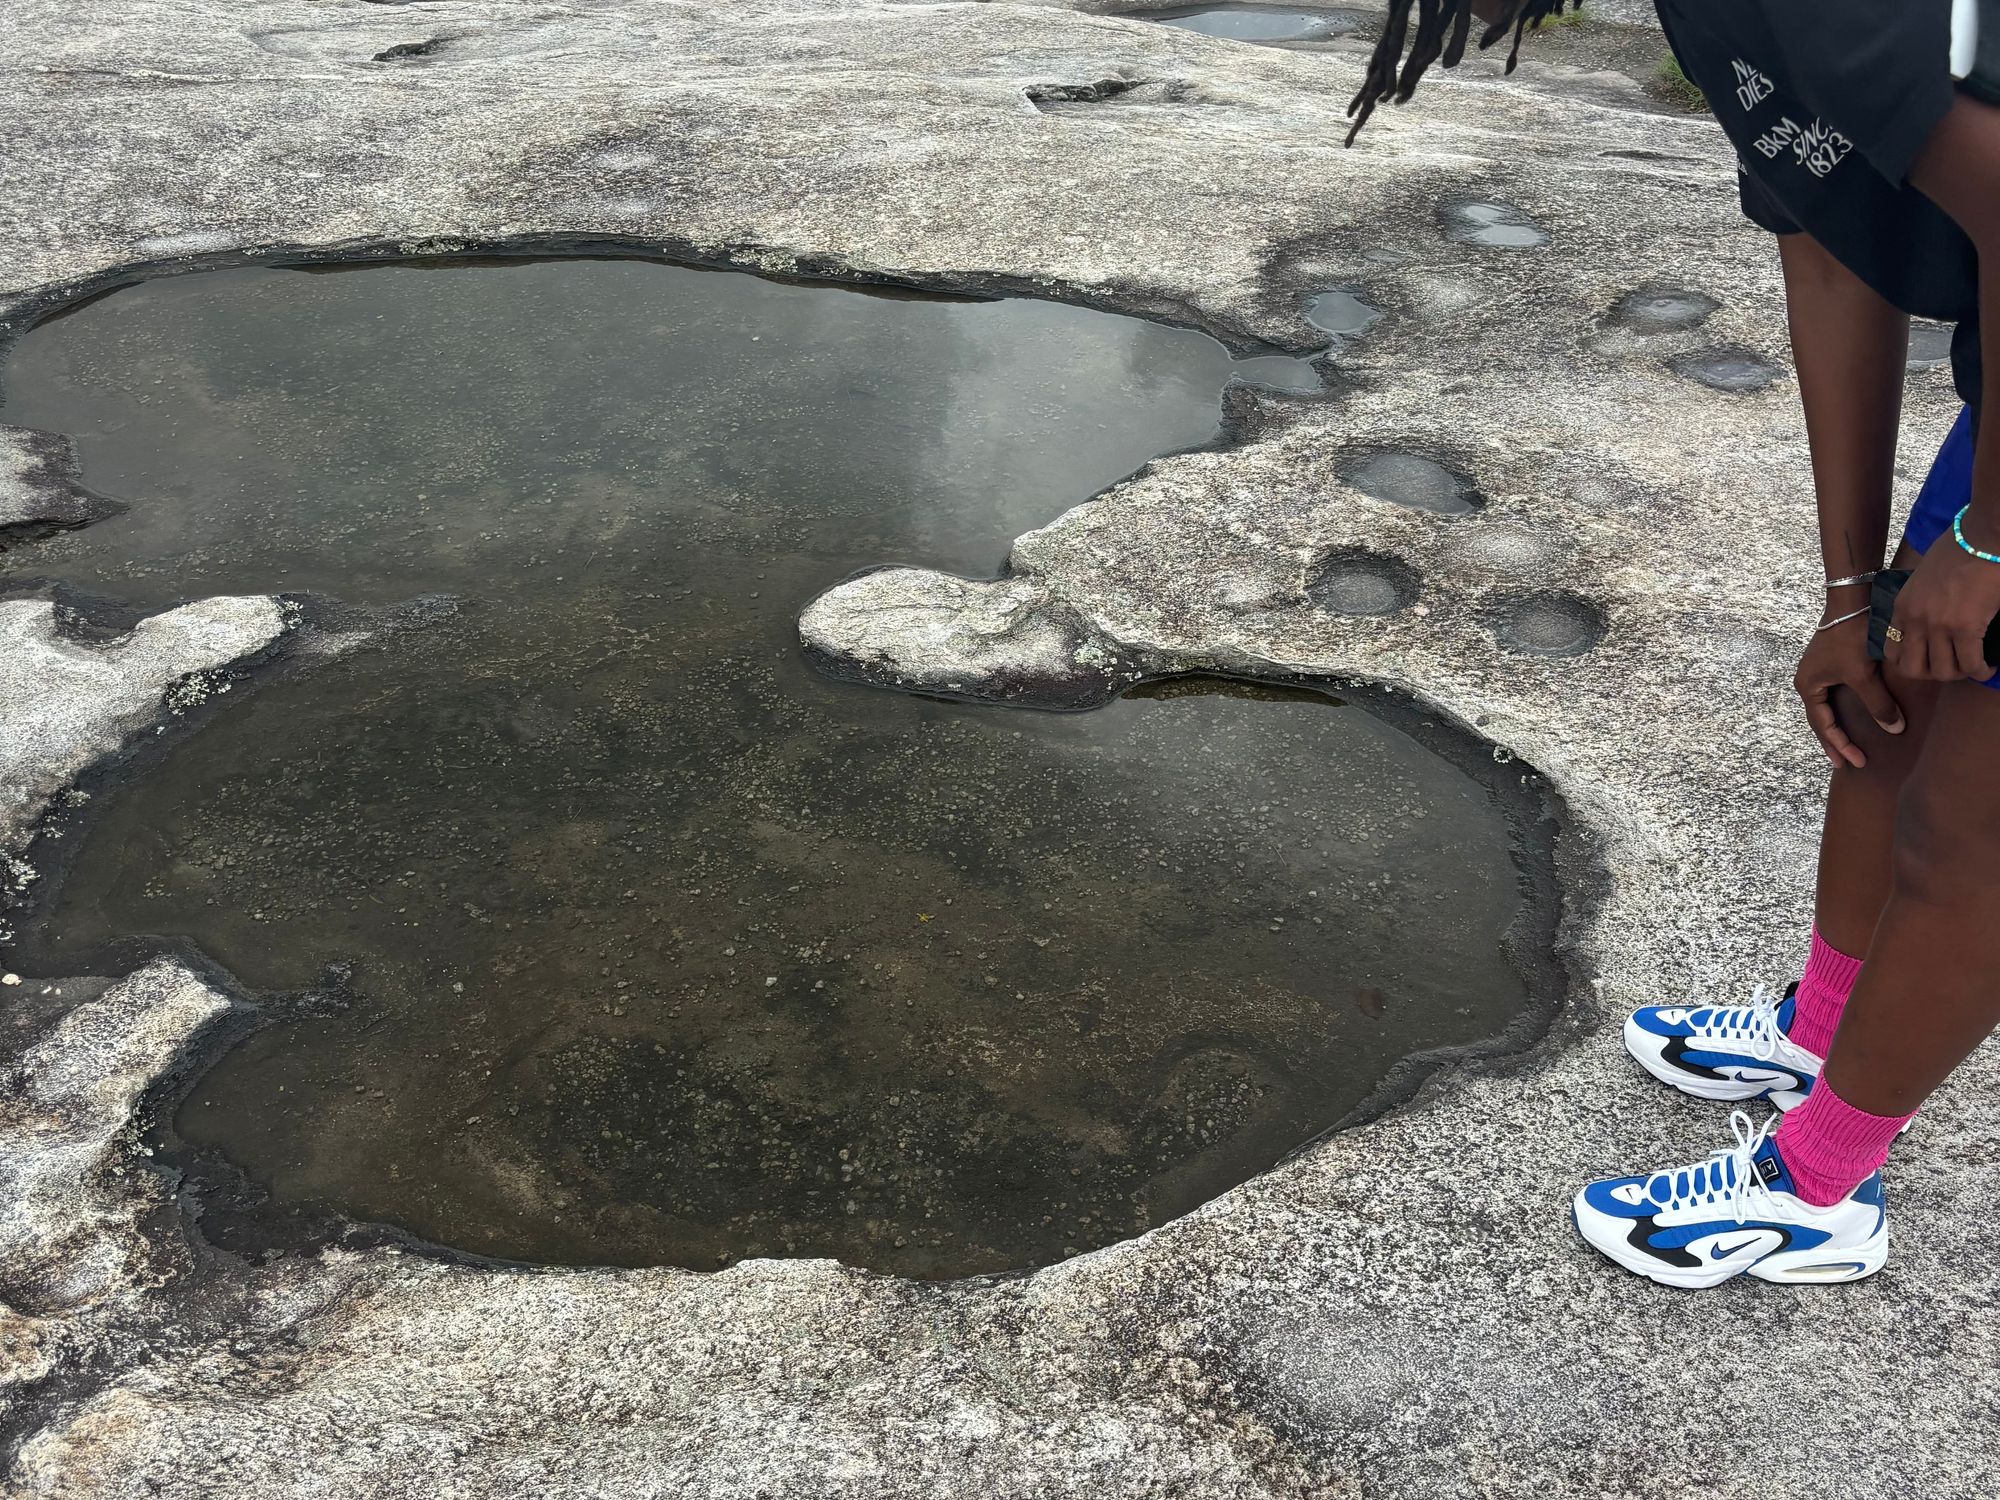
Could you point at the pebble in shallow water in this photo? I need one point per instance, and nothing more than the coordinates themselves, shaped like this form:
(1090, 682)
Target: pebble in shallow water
(1733, 370)
(1473, 222)
(1409, 479)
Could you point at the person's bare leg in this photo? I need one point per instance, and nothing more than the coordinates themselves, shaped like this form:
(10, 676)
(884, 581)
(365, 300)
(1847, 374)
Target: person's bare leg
(1859, 833)
(1929, 990)
(1849, 346)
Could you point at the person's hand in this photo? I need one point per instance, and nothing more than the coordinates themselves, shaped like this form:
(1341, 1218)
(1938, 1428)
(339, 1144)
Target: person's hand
(1944, 611)
(1839, 658)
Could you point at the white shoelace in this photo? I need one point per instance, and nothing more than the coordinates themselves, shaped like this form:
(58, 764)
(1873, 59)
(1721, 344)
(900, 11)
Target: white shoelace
(1726, 1180)
(1755, 1023)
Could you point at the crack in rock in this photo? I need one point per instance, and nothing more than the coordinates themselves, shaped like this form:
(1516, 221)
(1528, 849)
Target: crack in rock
(385, 39)
(406, 51)
(1057, 97)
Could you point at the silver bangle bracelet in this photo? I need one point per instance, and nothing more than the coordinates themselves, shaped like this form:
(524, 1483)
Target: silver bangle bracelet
(1852, 614)
(1841, 583)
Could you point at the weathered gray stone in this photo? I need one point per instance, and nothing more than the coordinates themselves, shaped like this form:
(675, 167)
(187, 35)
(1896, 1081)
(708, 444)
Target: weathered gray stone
(38, 485)
(70, 1193)
(64, 703)
(1400, 1310)
(1003, 641)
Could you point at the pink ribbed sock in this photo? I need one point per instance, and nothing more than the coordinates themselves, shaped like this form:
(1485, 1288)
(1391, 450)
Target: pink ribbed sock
(1823, 992)
(1831, 1148)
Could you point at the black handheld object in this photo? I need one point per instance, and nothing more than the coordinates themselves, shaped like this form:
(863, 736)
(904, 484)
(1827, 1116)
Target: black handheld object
(1882, 608)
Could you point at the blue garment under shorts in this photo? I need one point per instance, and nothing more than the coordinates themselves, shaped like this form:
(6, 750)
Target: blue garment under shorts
(1947, 488)
(1947, 491)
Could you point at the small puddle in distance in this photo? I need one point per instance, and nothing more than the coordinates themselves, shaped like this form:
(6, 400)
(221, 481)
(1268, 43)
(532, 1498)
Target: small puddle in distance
(1413, 480)
(659, 947)
(1548, 624)
(1278, 372)
(1930, 344)
(1258, 23)
(1737, 371)
(1472, 222)
(1656, 309)
(1342, 312)
(1359, 582)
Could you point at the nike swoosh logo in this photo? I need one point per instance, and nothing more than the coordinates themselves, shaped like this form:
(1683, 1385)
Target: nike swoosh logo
(1720, 1251)
(1759, 1075)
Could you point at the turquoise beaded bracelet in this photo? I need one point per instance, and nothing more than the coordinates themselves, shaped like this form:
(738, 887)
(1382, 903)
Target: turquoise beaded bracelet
(1958, 535)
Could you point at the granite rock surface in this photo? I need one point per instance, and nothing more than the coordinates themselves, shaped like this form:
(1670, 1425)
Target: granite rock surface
(1400, 1310)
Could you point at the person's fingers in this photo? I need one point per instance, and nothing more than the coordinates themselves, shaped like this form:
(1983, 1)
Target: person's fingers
(1969, 652)
(1873, 691)
(1941, 653)
(1840, 750)
(1915, 660)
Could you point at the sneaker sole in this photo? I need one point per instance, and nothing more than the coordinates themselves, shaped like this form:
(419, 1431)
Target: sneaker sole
(1714, 1089)
(1718, 1092)
(1819, 1267)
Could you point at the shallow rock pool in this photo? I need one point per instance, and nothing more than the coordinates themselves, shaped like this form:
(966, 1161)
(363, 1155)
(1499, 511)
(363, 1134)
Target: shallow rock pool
(590, 925)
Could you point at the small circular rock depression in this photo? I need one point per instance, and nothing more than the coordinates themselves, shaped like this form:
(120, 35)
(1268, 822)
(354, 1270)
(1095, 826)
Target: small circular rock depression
(1548, 624)
(1737, 371)
(1342, 312)
(1662, 309)
(1513, 551)
(1356, 581)
(1473, 221)
(1277, 372)
(1413, 480)
(1930, 344)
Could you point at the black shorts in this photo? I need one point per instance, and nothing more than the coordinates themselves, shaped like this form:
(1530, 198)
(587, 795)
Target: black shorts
(1828, 103)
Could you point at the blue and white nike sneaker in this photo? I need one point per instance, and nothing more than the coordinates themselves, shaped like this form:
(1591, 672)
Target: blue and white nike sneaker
(1699, 1225)
(1729, 1052)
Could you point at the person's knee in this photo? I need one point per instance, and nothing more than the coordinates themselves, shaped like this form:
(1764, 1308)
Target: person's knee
(1890, 756)
(1916, 696)
(1946, 852)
